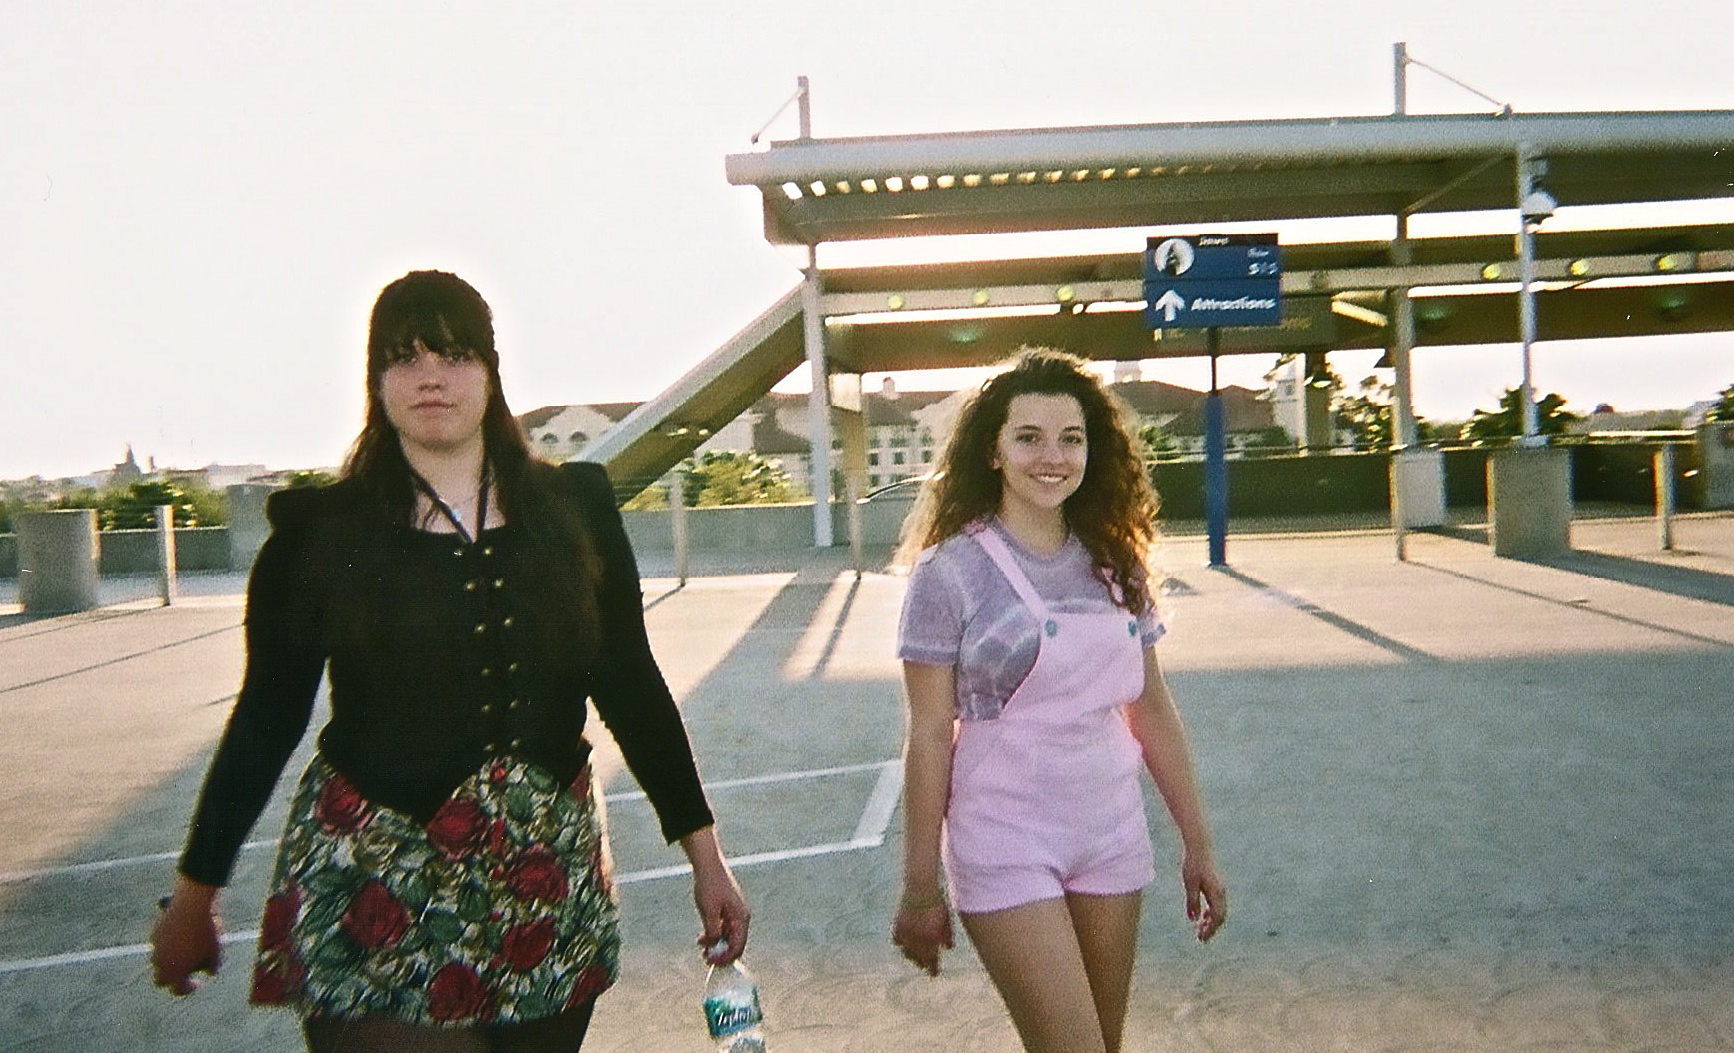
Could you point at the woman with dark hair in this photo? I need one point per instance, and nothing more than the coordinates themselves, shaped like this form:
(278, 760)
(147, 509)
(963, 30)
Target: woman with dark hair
(1034, 697)
(444, 880)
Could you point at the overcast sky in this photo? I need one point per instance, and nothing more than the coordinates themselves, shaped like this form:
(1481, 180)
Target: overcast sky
(198, 201)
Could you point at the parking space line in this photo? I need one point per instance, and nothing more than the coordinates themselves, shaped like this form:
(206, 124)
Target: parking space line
(869, 833)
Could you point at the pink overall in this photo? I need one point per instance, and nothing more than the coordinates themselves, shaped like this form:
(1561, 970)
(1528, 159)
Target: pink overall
(1047, 799)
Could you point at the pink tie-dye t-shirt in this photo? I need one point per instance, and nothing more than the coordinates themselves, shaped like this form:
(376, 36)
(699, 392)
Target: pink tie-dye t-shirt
(961, 611)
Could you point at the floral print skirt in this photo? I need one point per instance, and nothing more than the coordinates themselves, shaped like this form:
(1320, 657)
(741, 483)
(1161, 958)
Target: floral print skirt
(500, 910)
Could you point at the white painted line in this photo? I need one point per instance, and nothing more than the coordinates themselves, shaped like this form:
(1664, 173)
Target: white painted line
(759, 780)
(95, 866)
(870, 831)
(130, 950)
(756, 859)
(109, 864)
(103, 954)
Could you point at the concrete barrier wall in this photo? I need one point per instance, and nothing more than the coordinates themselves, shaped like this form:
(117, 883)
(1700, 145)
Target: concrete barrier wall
(135, 551)
(761, 528)
(1716, 449)
(1258, 487)
(57, 553)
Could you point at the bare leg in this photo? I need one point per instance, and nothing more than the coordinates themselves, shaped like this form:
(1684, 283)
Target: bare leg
(1107, 930)
(374, 1034)
(1033, 956)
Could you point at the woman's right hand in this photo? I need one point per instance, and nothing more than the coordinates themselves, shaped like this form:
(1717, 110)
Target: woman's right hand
(186, 938)
(921, 931)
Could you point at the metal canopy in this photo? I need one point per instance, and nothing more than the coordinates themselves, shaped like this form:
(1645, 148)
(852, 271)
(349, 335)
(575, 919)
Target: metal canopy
(1688, 287)
(819, 190)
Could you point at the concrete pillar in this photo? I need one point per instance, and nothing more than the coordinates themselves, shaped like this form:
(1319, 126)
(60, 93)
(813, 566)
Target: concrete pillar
(1418, 486)
(247, 523)
(57, 561)
(1716, 461)
(1315, 408)
(1529, 502)
(678, 524)
(168, 587)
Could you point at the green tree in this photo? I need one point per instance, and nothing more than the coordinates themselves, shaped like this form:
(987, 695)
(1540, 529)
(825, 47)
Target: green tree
(729, 477)
(83, 497)
(1551, 417)
(134, 508)
(1156, 441)
(308, 477)
(1370, 415)
(1723, 409)
(649, 499)
(1272, 441)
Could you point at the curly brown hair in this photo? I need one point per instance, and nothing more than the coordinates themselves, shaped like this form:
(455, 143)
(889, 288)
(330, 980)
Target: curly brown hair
(1113, 511)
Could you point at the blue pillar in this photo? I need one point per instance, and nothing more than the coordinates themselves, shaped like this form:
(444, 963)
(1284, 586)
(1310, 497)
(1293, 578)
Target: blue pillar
(1215, 465)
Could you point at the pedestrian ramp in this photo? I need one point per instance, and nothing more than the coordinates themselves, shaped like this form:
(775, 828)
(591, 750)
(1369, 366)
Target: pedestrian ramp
(667, 429)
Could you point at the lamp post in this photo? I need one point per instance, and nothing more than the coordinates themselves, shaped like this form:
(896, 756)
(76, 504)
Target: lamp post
(1533, 205)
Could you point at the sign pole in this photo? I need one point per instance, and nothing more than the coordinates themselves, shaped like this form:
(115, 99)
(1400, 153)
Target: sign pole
(1206, 281)
(1215, 460)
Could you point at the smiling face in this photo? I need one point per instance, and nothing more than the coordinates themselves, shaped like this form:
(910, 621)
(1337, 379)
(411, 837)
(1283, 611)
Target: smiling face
(1040, 454)
(435, 401)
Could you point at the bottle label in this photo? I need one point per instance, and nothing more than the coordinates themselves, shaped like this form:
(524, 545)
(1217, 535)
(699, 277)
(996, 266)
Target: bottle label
(728, 1015)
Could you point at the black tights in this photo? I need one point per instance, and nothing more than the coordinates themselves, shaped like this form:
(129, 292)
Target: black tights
(556, 1034)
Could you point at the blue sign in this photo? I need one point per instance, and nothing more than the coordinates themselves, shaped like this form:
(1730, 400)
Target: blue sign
(1196, 305)
(1213, 280)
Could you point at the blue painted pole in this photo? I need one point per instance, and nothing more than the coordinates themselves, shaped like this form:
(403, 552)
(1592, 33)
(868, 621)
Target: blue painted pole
(1215, 464)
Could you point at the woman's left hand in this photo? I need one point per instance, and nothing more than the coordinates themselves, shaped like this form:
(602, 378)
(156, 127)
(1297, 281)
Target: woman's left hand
(1206, 894)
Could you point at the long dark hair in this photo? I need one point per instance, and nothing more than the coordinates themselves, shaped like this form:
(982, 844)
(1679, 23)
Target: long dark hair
(446, 315)
(1113, 511)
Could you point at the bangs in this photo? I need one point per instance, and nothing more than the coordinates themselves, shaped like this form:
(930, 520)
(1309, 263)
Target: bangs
(414, 335)
(433, 310)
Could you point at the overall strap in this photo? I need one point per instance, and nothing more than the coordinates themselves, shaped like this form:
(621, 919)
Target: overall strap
(1001, 554)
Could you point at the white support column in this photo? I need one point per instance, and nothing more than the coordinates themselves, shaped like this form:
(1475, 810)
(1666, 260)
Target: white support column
(1527, 164)
(168, 586)
(819, 402)
(1665, 497)
(677, 524)
(1402, 343)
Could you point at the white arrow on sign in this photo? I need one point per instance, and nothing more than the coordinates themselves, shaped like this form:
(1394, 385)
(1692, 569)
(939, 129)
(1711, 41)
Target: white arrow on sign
(1171, 304)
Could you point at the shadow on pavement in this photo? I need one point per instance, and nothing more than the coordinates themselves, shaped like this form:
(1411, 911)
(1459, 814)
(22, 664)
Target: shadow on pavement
(1687, 582)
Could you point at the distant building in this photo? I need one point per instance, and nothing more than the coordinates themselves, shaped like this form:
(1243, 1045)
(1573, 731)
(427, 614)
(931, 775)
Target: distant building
(126, 472)
(905, 430)
(1604, 418)
(560, 433)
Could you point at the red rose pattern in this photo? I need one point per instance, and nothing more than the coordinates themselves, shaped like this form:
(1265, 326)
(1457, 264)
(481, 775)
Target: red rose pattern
(525, 946)
(281, 911)
(375, 918)
(277, 982)
(457, 993)
(341, 809)
(458, 828)
(537, 875)
(551, 922)
(591, 982)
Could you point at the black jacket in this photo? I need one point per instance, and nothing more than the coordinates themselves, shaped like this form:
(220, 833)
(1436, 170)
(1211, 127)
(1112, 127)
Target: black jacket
(436, 662)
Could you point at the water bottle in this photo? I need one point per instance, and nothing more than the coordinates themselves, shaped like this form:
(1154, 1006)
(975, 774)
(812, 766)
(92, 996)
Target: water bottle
(731, 1010)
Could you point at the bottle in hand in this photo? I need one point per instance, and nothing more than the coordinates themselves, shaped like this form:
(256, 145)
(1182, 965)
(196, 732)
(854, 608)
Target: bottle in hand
(732, 1011)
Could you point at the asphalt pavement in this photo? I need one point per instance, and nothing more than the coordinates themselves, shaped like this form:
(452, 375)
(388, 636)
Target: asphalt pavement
(1463, 803)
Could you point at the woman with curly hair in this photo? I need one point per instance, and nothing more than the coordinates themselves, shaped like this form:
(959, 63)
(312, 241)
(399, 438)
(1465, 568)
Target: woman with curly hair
(1034, 697)
(443, 882)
